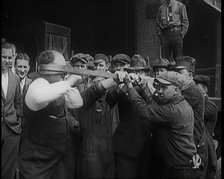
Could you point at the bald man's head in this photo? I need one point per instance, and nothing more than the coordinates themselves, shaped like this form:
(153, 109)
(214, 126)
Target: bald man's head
(51, 57)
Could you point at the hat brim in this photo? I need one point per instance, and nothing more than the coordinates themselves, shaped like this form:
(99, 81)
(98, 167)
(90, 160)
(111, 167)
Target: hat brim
(78, 59)
(163, 81)
(96, 61)
(120, 60)
(137, 68)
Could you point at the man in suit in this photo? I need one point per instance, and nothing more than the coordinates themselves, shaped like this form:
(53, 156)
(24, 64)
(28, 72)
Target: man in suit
(130, 135)
(11, 114)
(22, 67)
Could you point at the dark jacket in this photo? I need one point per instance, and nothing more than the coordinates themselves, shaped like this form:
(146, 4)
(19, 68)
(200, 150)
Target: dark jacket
(175, 122)
(195, 98)
(210, 117)
(11, 104)
(131, 133)
(96, 127)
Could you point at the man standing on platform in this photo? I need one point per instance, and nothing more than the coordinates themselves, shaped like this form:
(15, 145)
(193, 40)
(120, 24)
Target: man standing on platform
(172, 25)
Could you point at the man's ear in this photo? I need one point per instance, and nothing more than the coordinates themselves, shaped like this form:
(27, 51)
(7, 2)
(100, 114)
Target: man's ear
(28, 68)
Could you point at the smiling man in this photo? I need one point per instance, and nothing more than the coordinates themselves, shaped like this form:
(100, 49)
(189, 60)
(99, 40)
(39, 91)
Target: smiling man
(22, 68)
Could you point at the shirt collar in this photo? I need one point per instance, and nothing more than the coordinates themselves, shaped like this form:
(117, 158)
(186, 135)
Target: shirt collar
(5, 73)
(23, 80)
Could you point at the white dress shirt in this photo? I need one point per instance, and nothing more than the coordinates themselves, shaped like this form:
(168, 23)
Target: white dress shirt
(40, 93)
(22, 84)
(5, 81)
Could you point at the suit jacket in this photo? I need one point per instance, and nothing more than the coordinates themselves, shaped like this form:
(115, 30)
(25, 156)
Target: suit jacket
(11, 104)
(25, 88)
(27, 83)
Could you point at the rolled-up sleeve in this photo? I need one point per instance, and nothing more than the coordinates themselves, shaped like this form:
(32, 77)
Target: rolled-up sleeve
(40, 93)
(73, 98)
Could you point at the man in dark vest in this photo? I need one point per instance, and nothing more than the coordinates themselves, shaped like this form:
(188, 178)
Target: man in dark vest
(44, 148)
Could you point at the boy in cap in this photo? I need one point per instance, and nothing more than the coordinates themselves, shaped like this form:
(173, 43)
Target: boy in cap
(185, 66)
(210, 119)
(175, 120)
(101, 62)
(79, 61)
(160, 66)
(119, 62)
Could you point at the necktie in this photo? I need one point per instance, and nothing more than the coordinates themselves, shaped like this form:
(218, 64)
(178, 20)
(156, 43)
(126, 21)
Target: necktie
(170, 17)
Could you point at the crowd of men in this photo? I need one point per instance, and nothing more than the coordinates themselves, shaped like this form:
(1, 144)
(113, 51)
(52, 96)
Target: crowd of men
(151, 121)
(145, 121)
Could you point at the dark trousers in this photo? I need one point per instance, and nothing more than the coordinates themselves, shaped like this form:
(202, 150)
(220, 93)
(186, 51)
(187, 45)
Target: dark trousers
(171, 44)
(38, 162)
(126, 167)
(203, 153)
(10, 150)
(212, 159)
(98, 158)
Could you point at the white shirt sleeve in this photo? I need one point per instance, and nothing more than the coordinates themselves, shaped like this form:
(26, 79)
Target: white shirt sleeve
(40, 93)
(73, 98)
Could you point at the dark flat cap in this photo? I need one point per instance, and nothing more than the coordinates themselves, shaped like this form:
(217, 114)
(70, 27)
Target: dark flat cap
(99, 57)
(203, 79)
(170, 77)
(185, 62)
(80, 57)
(123, 58)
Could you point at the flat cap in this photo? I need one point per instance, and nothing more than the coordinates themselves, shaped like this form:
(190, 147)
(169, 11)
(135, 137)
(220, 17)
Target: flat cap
(185, 62)
(203, 79)
(123, 58)
(98, 57)
(170, 78)
(79, 56)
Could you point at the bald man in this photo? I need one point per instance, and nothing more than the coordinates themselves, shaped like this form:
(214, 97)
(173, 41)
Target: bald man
(43, 149)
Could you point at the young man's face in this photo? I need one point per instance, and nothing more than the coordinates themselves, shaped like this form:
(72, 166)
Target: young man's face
(160, 71)
(22, 68)
(7, 58)
(165, 92)
(79, 65)
(185, 74)
(203, 88)
(119, 66)
(100, 65)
